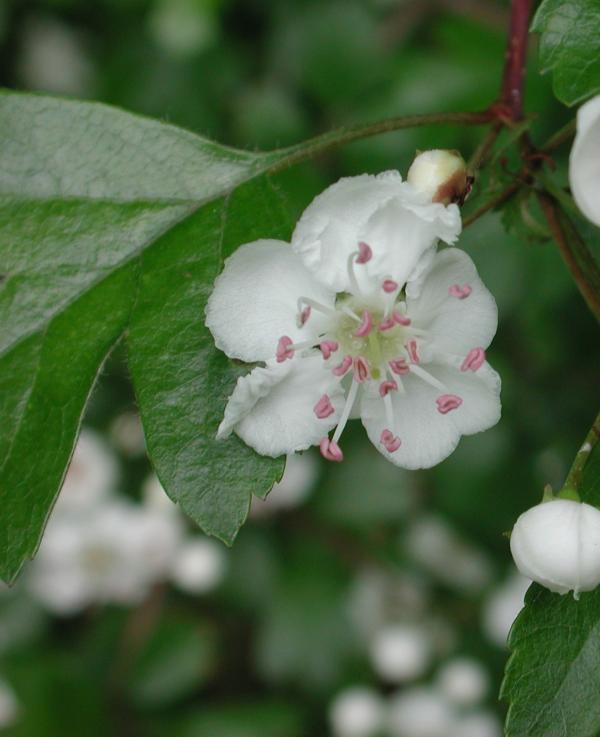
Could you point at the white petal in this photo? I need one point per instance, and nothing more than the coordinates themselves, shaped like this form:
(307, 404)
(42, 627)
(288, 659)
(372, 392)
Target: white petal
(455, 325)
(584, 162)
(402, 234)
(255, 301)
(355, 209)
(427, 435)
(271, 408)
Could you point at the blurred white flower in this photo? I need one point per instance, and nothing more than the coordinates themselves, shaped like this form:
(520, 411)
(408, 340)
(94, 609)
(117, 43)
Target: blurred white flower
(378, 598)
(438, 548)
(127, 434)
(113, 553)
(154, 497)
(400, 652)
(182, 27)
(9, 706)
(301, 470)
(199, 565)
(557, 544)
(584, 162)
(420, 712)
(356, 712)
(91, 476)
(479, 724)
(54, 58)
(502, 606)
(463, 681)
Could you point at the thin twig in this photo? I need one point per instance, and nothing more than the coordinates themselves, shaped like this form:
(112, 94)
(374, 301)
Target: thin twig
(482, 152)
(498, 199)
(340, 136)
(561, 136)
(574, 251)
(573, 479)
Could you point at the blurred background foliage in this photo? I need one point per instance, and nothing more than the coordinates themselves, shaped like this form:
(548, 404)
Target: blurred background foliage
(359, 600)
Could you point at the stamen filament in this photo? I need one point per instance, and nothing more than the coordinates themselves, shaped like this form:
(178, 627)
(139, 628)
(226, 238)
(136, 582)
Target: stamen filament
(308, 302)
(350, 399)
(427, 378)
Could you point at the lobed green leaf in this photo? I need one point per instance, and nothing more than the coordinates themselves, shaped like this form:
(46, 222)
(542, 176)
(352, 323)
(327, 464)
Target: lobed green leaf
(570, 47)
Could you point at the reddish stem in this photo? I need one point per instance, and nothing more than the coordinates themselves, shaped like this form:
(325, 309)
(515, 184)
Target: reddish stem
(510, 104)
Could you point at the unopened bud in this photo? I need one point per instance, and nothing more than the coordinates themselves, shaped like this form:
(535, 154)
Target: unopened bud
(441, 175)
(557, 544)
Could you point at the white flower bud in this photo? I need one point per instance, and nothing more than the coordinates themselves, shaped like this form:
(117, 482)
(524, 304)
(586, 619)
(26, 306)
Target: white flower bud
(584, 162)
(557, 544)
(441, 175)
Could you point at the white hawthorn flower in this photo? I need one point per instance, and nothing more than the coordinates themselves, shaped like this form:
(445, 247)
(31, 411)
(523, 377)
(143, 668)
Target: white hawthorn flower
(463, 681)
(114, 552)
(584, 162)
(91, 476)
(199, 565)
(401, 652)
(360, 318)
(420, 712)
(557, 544)
(357, 712)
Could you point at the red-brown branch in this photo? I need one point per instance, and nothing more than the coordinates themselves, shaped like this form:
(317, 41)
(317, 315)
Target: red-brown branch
(510, 104)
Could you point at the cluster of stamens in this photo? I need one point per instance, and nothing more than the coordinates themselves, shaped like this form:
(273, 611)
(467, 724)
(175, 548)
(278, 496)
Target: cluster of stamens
(373, 346)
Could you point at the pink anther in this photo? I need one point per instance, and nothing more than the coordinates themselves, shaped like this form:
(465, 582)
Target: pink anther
(343, 367)
(389, 286)
(387, 386)
(447, 402)
(323, 408)
(387, 324)
(304, 315)
(365, 253)
(474, 360)
(401, 319)
(330, 450)
(365, 326)
(400, 366)
(413, 352)
(328, 347)
(283, 349)
(361, 369)
(390, 441)
(460, 292)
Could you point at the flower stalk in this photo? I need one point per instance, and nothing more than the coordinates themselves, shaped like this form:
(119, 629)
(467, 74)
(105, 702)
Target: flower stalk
(573, 480)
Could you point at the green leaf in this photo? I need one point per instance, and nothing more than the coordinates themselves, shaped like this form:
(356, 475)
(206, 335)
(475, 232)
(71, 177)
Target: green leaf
(552, 678)
(570, 47)
(112, 224)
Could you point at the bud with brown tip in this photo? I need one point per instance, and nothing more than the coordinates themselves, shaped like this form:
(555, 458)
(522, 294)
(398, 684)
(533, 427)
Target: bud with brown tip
(441, 175)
